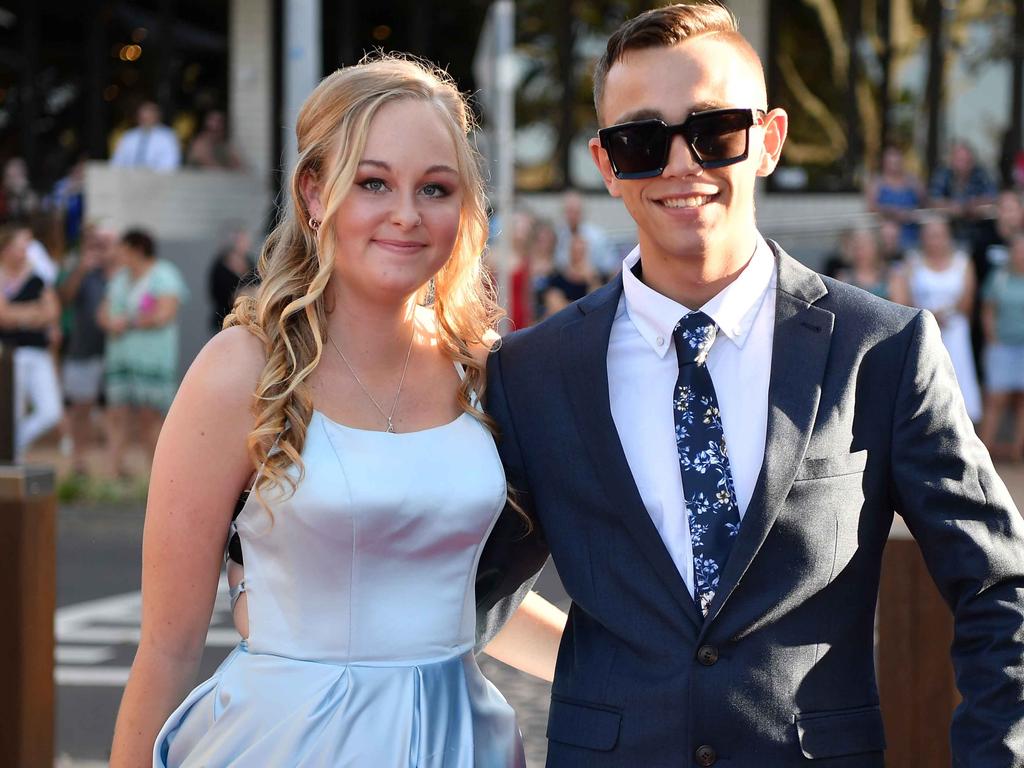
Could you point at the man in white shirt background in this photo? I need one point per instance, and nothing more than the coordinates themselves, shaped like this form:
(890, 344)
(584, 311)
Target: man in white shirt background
(713, 446)
(149, 145)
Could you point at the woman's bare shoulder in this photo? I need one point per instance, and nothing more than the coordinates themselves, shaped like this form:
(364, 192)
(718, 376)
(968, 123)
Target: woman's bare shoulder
(228, 367)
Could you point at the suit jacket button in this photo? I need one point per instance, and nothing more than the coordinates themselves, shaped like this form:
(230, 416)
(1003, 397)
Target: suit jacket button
(707, 655)
(705, 755)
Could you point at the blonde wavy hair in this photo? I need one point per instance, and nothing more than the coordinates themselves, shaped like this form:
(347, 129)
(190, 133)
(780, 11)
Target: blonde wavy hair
(289, 314)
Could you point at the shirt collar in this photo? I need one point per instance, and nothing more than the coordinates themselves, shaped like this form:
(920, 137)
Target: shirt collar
(733, 309)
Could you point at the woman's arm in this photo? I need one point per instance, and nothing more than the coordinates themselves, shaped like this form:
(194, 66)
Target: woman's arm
(31, 315)
(200, 468)
(966, 301)
(164, 312)
(529, 642)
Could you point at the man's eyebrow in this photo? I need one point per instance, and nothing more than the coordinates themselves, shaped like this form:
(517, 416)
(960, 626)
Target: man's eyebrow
(648, 113)
(440, 168)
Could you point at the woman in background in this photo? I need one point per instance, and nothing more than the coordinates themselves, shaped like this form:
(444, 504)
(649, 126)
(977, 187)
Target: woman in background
(28, 313)
(140, 317)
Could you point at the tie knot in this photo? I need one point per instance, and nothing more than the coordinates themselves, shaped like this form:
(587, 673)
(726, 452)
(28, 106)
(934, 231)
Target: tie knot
(694, 335)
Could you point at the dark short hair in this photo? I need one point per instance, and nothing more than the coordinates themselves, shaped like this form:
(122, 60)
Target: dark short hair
(660, 28)
(141, 241)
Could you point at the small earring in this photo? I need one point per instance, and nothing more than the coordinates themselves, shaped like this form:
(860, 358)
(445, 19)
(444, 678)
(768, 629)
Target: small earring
(314, 223)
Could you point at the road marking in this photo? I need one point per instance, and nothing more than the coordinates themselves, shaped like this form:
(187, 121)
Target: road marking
(87, 632)
(109, 677)
(82, 654)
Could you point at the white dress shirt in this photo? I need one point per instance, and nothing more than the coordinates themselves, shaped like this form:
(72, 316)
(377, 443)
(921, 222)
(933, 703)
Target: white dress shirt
(642, 373)
(156, 148)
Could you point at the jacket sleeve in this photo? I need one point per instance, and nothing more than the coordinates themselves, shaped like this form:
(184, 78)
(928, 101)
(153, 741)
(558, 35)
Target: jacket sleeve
(515, 551)
(972, 539)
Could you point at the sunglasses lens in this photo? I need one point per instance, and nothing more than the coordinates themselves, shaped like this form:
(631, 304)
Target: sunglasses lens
(719, 137)
(637, 147)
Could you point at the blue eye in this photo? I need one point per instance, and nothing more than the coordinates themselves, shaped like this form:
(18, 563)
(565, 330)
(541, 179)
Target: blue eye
(373, 185)
(436, 190)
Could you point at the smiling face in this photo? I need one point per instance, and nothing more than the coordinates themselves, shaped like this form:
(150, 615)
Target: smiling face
(688, 213)
(398, 223)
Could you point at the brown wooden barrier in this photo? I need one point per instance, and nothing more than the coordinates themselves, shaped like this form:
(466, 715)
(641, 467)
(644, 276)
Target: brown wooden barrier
(28, 587)
(915, 674)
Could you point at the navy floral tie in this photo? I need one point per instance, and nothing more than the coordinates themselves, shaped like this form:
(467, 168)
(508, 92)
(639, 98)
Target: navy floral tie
(703, 460)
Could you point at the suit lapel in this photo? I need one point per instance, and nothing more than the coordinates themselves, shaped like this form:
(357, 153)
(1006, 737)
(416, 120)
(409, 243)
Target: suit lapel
(585, 369)
(803, 335)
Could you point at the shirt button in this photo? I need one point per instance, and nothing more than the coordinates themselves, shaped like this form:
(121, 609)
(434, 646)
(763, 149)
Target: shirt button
(661, 341)
(705, 756)
(707, 655)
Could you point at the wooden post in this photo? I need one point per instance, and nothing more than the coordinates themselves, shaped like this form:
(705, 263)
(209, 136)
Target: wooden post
(915, 674)
(28, 598)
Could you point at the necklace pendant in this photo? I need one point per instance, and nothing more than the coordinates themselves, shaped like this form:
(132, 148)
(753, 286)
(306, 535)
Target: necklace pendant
(391, 426)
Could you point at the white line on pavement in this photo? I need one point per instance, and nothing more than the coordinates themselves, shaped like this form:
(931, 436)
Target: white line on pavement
(82, 654)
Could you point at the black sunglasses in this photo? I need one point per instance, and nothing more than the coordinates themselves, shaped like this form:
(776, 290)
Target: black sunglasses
(716, 138)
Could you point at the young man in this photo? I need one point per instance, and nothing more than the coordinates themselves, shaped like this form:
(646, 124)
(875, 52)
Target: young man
(713, 448)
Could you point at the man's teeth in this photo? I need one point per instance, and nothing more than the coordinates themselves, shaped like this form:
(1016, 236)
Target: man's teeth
(685, 202)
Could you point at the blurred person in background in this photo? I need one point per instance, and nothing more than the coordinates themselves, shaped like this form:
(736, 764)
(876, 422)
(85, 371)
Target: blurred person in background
(867, 270)
(963, 190)
(839, 258)
(520, 276)
(232, 268)
(543, 241)
(940, 278)
(140, 316)
(890, 242)
(599, 247)
(895, 195)
(150, 145)
(989, 253)
(17, 198)
(28, 312)
(82, 286)
(576, 280)
(211, 148)
(67, 200)
(1003, 321)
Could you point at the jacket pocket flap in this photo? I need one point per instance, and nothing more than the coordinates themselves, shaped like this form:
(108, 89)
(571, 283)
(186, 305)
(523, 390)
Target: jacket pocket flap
(582, 724)
(840, 732)
(832, 466)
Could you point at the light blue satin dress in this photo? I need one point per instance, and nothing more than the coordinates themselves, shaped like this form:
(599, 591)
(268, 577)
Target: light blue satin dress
(361, 615)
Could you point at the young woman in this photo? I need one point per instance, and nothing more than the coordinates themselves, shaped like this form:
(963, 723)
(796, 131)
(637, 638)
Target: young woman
(28, 312)
(350, 387)
(941, 279)
(140, 316)
(1002, 315)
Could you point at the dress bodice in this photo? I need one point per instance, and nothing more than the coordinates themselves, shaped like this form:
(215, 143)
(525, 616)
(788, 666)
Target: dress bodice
(933, 289)
(372, 558)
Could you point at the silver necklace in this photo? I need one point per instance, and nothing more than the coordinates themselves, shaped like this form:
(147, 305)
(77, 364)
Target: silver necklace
(394, 406)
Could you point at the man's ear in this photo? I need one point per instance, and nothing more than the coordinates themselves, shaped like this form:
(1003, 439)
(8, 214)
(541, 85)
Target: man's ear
(311, 190)
(776, 127)
(600, 158)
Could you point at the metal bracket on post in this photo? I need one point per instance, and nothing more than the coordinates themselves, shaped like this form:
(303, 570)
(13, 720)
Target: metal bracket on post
(6, 404)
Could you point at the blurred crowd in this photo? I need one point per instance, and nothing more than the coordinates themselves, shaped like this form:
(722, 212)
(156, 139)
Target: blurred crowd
(94, 334)
(93, 314)
(953, 246)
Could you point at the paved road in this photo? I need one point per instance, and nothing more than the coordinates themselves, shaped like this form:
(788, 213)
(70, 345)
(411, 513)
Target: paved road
(97, 625)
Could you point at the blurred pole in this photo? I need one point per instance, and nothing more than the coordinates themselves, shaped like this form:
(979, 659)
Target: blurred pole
(28, 108)
(165, 61)
(1017, 67)
(504, 139)
(302, 61)
(935, 26)
(96, 56)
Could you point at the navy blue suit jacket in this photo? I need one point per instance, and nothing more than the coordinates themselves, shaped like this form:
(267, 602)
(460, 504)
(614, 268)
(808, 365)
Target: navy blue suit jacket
(865, 419)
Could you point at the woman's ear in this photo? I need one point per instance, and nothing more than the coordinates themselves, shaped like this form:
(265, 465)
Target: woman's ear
(311, 190)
